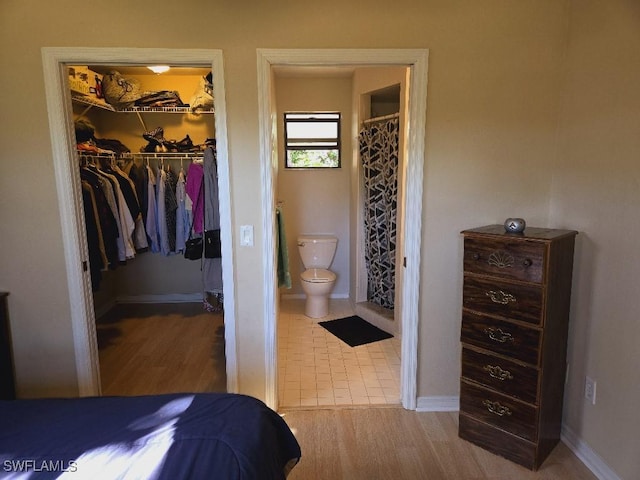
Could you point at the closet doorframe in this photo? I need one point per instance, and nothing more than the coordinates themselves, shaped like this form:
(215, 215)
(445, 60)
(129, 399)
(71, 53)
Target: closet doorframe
(55, 61)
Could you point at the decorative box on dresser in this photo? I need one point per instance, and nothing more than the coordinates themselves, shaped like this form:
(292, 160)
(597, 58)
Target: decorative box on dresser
(515, 316)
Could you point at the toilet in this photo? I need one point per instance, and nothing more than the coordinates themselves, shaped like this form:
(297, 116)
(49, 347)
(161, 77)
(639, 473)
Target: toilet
(316, 252)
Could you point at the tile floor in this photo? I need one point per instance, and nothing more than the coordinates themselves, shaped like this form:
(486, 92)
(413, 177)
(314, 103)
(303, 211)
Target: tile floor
(316, 368)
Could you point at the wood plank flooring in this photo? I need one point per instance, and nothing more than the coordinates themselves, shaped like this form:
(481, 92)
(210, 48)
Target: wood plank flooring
(147, 349)
(150, 349)
(390, 443)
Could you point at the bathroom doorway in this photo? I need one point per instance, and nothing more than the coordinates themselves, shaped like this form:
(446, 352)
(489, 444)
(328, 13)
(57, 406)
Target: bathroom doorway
(315, 368)
(416, 62)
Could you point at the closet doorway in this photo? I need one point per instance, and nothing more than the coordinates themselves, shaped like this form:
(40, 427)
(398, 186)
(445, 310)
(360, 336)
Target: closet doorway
(61, 117)
(416, 61)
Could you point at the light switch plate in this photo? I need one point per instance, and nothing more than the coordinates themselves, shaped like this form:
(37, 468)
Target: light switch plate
(246, 235)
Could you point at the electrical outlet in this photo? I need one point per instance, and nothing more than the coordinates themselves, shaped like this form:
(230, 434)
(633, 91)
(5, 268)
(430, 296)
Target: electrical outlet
(590, 389)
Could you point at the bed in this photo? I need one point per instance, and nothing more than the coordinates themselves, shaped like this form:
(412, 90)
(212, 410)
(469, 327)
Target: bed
(171, 436)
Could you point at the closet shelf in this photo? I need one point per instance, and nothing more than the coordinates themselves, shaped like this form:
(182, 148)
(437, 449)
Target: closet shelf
(163, 154)
(87, 153)
(84, 100)
(181, 110)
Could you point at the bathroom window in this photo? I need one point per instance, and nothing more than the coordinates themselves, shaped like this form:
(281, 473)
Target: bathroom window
(312, 139)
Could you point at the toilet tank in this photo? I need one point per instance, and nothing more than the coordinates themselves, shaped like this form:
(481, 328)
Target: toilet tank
(317, 251)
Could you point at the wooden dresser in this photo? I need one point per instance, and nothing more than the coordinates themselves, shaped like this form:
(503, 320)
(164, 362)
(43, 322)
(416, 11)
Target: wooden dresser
(515, 315)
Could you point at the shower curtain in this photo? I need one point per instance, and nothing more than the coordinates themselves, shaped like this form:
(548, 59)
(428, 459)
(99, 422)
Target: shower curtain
(379, 157)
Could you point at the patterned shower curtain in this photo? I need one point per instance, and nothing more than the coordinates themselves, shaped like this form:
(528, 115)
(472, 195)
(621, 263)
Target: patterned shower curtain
(379, 156)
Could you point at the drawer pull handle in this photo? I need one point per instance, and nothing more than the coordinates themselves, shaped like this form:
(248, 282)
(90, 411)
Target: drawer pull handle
(527, 262)
(501, 260)
(496, 372)
(497, 335)
(498, 296)
(496, 408)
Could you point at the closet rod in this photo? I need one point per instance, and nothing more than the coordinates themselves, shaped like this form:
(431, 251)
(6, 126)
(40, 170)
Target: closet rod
(164, 154)
(382, 118)
(86, 153)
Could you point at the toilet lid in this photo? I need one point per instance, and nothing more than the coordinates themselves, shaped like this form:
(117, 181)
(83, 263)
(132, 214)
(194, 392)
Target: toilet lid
(318, 275)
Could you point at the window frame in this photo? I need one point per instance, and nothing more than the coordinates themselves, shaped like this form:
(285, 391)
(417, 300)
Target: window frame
(308, 143)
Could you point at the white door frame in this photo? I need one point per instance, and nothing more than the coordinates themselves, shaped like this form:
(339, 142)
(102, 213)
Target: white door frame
(417, 61)
(55, 60)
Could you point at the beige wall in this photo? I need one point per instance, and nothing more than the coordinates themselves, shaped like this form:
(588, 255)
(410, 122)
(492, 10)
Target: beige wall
(316, 200)
(596, 189)
(502, 76)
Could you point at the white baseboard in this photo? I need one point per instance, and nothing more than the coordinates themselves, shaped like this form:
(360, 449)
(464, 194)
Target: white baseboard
(103, 309)
(438, 404)
(302, 296)
(580, 448)
(585, 453)
(339, 295)
(292, 296)
(168, 298)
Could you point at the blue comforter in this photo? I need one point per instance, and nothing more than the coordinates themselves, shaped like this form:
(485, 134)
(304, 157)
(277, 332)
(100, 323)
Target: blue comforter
(173, 437)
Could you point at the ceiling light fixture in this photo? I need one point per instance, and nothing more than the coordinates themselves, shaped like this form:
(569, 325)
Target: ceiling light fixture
(158, 69)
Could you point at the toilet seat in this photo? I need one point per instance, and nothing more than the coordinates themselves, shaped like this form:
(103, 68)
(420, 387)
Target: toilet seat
(318, 275)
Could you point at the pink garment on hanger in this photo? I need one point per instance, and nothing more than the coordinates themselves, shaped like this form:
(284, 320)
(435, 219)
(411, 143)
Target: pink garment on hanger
(194, 189)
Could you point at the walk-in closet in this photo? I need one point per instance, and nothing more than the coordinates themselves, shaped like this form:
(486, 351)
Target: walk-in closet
(146, 153)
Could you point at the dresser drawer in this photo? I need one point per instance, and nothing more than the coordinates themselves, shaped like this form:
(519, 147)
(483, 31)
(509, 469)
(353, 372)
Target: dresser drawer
(498, 410)
(505, 338)
(512, 259)
(508, 300)
(502, 375)
(499, 442)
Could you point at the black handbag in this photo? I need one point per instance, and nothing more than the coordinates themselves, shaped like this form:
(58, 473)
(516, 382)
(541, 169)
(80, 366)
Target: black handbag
(212, 247)
(193, 248)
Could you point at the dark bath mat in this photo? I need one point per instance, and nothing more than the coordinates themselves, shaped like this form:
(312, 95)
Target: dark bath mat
(355, 331)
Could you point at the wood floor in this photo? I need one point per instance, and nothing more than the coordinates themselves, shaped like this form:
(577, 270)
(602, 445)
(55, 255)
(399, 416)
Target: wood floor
(390, 443)
(149, 349)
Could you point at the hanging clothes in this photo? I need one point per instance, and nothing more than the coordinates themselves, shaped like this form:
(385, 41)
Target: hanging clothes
(103, 199)
(211, 267)
(170, 207)
(379, 156)
(161, 185)
(151, 223)
(130, 208)
(140, 178)
(136, 239)
(95, 245)
(139, 233)
(126, 187)
(111, 185)
(126, 248)
(182, 221)
(194, 185)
